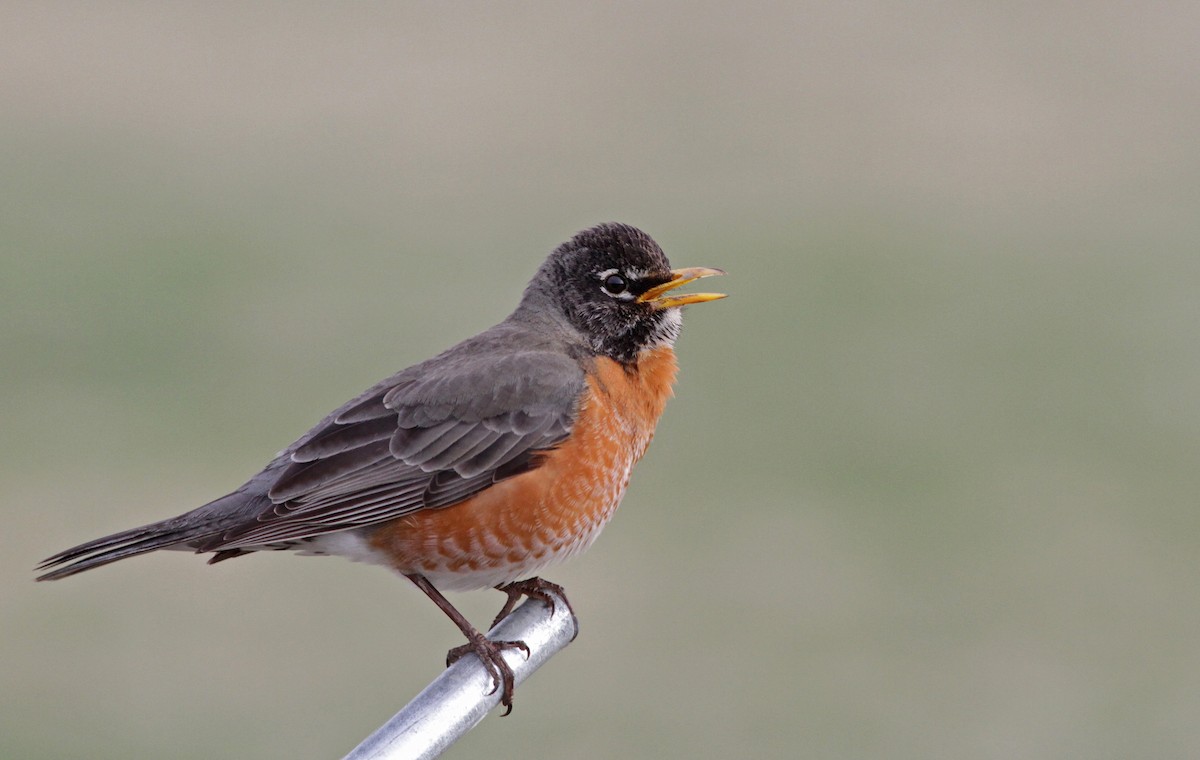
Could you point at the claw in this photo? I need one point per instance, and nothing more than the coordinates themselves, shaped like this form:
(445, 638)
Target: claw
(489, 653)
(535, 588)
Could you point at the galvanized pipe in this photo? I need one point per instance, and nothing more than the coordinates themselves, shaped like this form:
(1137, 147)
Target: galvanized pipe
(458, 699)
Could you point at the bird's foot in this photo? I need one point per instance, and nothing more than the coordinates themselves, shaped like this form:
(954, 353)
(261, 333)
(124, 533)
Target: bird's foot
(488, 652)
(535, 588)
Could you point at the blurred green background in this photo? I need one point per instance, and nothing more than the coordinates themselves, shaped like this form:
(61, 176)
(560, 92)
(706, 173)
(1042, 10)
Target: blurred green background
(928, 488)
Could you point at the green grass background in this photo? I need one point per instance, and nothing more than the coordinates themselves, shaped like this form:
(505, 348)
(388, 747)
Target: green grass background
(928, 488)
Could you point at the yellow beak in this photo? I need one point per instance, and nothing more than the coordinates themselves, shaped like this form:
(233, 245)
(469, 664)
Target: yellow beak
(657, 297)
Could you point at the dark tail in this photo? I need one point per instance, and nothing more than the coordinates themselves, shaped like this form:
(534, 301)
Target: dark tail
(190, 530)
(101, 551)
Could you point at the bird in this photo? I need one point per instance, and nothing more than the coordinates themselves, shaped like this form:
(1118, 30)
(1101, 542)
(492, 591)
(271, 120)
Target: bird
(481, 466)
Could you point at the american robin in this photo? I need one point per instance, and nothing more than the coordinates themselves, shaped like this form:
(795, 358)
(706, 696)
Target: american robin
(481, 466)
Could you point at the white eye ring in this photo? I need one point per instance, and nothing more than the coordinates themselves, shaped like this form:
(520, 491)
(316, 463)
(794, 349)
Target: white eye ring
(614, 284)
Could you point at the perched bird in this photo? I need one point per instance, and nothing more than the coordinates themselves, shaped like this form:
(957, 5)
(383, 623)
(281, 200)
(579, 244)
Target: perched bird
(481, 466)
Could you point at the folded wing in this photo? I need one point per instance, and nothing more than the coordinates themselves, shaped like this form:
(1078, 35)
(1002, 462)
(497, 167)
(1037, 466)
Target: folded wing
(430, 438)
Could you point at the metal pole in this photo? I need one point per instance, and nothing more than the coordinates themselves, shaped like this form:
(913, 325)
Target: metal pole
(457, 700)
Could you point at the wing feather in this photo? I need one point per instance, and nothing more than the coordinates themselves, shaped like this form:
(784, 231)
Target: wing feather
(344, 437)
(432, 436)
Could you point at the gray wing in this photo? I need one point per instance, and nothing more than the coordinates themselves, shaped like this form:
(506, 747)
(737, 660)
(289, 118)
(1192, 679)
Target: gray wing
(430, 437)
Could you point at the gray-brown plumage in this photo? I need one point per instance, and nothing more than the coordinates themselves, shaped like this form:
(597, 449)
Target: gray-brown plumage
(443, 471)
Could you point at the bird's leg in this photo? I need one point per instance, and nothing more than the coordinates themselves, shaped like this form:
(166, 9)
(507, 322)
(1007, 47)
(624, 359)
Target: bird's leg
(486, 650)
(535, 588)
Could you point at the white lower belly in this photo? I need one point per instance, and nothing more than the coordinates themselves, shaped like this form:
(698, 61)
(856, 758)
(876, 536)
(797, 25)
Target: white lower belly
(354, 546)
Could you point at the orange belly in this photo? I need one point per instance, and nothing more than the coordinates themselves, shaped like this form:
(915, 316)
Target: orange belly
(519, 525)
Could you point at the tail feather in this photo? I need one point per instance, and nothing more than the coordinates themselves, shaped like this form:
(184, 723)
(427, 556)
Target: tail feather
(186, 531)
(102, 551)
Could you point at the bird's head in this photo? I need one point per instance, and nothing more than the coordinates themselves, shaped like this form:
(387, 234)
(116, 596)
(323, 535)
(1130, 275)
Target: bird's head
(615, 285)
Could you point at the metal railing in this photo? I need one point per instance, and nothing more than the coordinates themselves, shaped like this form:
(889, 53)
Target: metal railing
(458, 699)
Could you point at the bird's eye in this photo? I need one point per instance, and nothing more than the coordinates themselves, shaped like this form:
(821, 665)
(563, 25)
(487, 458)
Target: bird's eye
(615, 284)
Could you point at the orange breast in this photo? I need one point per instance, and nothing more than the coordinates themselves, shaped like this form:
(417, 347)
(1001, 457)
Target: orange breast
(519, 525)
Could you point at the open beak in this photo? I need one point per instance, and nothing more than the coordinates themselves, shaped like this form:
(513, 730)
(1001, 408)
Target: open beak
(658, 298)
